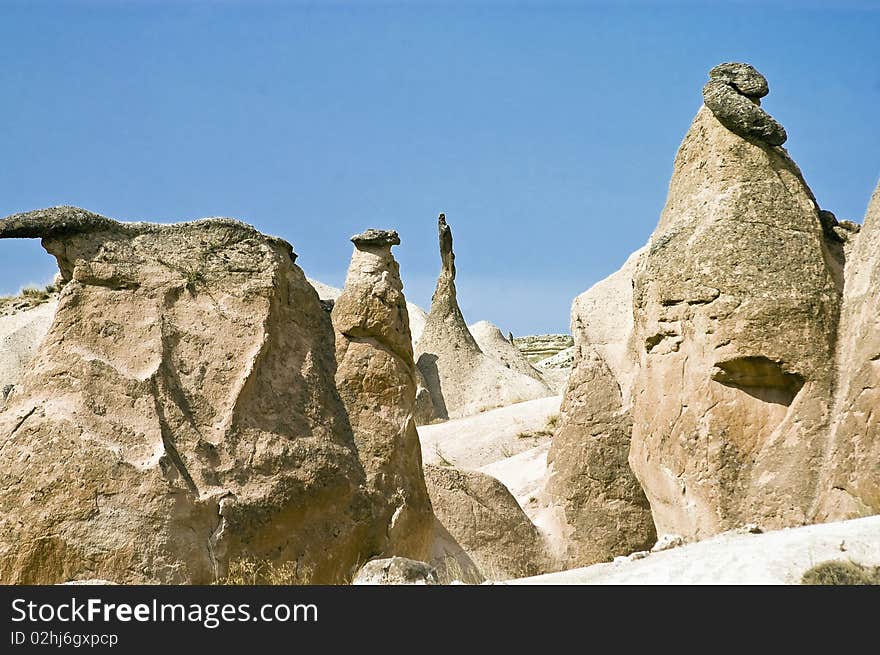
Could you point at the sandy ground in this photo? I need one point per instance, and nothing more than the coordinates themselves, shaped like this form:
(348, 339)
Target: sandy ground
(779, 557)
(476, 441)
(523, 475)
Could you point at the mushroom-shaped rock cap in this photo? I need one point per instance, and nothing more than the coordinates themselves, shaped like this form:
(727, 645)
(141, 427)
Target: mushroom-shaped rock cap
(732, 93)
(66, 221)
(374, 237)
(53, 221)
(745, 78)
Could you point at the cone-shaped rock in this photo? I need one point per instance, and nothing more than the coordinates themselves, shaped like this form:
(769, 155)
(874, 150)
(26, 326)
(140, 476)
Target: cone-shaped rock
(492, 343)
(461, 379)
(480, 529)
(735, 312)
(181, 412)
(376, 379)
(599, 507)
(851, 486)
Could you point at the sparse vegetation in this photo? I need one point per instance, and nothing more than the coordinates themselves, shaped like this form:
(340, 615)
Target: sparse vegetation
(249, 571)
(534, 434)
(193, 277)
(442, 459)
(836, 572)
(31, 295)
(547, 431)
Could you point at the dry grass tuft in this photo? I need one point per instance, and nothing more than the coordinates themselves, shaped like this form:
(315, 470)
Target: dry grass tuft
(248, 571)
(835, 572)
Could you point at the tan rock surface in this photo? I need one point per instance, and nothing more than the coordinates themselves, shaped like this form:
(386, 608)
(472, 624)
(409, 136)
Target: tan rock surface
(602, 316)
(851, 481)
(462, 380)
(594, 508)
(417, 315)
(180, 413)
(376, 380)
(424, 412)
(736, 306)
(21, 333)
(481, 531)
(601, 510)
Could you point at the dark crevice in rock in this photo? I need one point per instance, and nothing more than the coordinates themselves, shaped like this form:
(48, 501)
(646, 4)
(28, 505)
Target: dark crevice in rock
(760, 377)
(427, 365)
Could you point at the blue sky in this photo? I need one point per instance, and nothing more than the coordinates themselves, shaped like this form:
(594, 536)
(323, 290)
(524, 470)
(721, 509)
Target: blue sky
(546, 131)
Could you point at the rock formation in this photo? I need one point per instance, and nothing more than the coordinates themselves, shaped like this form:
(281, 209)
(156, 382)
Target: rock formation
(541, 346)
(396, 571)
(735, 315)
(181, 412)
(417, 315)
(600, 509)
(602, 317)
(481, 531)
(851, 482)
(492, 343)
(376, 380)
(564, 359)
(733, 94)
(556, 369)
(424, 412)
(462, 380)
(22, 329)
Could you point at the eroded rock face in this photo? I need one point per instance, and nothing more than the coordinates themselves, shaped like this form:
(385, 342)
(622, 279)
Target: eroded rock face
(604, 512)
(481, 531)
(376, 380)
(181, 412)
(21, 333)
(851, 483)
(736, 306)
(602, 318)
(461, 379)
(424, 412)
(600, 508)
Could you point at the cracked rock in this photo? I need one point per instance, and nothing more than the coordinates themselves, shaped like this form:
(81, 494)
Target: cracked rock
(187, 365)
(377, 381)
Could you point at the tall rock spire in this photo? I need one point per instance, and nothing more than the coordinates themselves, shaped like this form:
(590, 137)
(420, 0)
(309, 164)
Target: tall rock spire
(445, 320)
(376, 379)
(461, 379)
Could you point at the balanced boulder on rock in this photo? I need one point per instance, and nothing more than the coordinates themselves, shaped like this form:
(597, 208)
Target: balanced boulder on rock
(376, 380)
(736, 306)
